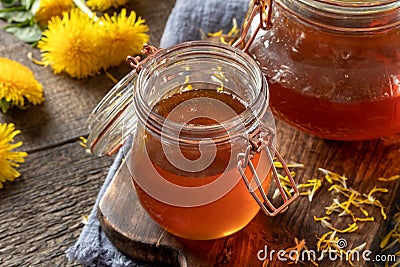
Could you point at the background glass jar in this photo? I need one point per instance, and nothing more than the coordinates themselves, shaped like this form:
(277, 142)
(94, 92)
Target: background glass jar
(204, 137)
(333, 66)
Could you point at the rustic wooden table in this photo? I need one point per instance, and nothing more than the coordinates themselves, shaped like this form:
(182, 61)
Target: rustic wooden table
(40, 213)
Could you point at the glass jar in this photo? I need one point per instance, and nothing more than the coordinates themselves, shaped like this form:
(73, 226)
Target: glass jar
(333, 66)
(201, 159)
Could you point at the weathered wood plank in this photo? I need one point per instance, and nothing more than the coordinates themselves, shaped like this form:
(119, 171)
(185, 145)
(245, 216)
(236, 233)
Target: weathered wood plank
(40, 213)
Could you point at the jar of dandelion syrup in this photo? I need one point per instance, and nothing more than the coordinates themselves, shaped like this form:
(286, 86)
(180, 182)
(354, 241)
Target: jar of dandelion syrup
(333, 66)
(203, 138)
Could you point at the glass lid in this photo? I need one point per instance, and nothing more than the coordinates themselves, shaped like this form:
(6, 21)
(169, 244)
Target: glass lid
(107, 123)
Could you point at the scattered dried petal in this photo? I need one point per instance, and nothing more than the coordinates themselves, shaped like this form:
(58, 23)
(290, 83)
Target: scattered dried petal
(390, 179)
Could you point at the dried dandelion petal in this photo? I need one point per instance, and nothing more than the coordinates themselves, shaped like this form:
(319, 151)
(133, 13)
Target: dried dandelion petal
(354, 198)
(111, 77)
(365, 219)
(331, 244)
(82, 141)
(215, 34)
(265, 263)
(351, 228)
(9, 159)
(315, 184)
(393, 237)
(219, 36)
(378, 189)
(354, 202)
(345, 206)
(369, 199)
(332, 177)
(219, 78)
(334, 207)
(312, 185)
(338, 188)
(298, 248)
(390, 179)
(85, 219)
(323, 243)
(386, 239)
(318, 219)
(278, 164)
(286, 185)
(354, 250)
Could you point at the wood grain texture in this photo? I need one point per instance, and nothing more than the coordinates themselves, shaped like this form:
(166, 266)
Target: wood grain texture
(40, 213)
(135, 233)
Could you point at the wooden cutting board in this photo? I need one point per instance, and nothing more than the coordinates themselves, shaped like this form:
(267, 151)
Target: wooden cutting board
(136, 234)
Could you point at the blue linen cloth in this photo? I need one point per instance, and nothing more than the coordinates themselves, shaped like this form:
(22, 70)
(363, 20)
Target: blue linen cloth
(93, 248)
(188, 17)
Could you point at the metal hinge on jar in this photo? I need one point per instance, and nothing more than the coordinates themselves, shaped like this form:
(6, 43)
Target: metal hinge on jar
(259, 140)
(137, 62)
(263, 8)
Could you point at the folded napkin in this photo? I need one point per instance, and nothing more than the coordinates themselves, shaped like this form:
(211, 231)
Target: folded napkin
(93, 248)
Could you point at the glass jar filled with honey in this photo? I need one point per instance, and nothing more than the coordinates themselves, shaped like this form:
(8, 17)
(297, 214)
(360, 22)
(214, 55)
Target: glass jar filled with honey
(333, 66)
(201, 158)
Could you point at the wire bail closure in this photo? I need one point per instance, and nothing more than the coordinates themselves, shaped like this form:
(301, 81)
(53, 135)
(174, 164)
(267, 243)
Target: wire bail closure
(261, 139)
(137, 62)
(264, 9)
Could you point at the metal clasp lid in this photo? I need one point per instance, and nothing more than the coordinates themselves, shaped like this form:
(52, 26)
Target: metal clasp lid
(263, 8)
(137, 62)
(107, 124)
(261, 139)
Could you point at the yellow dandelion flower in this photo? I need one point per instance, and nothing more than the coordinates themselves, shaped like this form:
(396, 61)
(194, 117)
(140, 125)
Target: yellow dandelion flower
(9, 159)
(18, 84)
(70, 45)
(50, 8)
(102, 5)
(123, 35)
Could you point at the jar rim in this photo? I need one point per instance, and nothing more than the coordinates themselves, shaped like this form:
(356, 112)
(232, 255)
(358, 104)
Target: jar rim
(358, 3)
(207, 49)
(346, 16)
